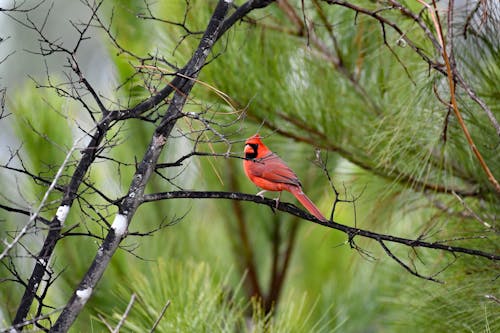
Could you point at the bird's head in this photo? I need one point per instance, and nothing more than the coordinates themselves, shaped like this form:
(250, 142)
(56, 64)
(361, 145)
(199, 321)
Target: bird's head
(254, 147)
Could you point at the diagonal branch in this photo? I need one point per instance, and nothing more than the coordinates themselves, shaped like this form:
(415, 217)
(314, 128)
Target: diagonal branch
(160, 316)
(180, 78)
(292, 209)
(145, 169)
(57, 221)
(125, 314)
(405, 266)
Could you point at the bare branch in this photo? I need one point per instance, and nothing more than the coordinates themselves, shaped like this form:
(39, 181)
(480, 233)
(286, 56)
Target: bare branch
(125, 314)
(405, 266)
(57, 221)
(15, 328)
(160, 316)
(129, 205)
(292, 209)
(34, 215)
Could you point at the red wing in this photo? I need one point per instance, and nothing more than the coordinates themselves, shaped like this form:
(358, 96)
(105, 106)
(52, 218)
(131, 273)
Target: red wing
(273, 168)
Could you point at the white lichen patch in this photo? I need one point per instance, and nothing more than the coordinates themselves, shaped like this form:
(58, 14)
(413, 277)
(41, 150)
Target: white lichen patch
(84, 294)
(120, 225)
(62, 213)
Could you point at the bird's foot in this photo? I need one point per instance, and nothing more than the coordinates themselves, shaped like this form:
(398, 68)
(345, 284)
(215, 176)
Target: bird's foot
(277, 199)
(261, 194)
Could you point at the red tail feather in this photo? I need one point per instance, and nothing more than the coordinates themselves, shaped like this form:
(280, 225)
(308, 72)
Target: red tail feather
(307, 203)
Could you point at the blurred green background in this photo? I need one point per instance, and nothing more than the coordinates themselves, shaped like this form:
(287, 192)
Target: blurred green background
(238, 267)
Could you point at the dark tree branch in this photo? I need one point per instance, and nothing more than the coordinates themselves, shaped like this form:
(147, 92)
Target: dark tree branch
(405, 266)
(292, 209)
(241, 12)
(22, 7)
(57, 221)
(131, 202)
(32, 321)
(24, 212)
(180, 86)
(183, 25)
(181, 79)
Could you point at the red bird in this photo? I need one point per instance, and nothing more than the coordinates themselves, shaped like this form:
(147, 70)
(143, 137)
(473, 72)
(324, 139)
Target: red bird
(266, 170)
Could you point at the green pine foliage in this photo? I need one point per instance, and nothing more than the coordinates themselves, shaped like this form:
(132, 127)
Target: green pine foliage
(388, 142)
(200, 300)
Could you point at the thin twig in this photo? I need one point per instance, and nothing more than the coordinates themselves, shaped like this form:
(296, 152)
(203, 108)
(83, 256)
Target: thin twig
(405, 266)
(162, 313)
(34, 215)
(473, 214)
(105, 322)
(16, 327)
(125, 314)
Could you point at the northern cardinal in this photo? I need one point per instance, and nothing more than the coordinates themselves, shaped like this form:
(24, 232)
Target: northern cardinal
(266, 170)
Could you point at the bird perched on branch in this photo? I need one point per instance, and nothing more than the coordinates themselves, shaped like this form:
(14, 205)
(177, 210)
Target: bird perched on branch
(269, 172)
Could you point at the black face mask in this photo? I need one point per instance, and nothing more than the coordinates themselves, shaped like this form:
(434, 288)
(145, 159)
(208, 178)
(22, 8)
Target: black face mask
(252, 154)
